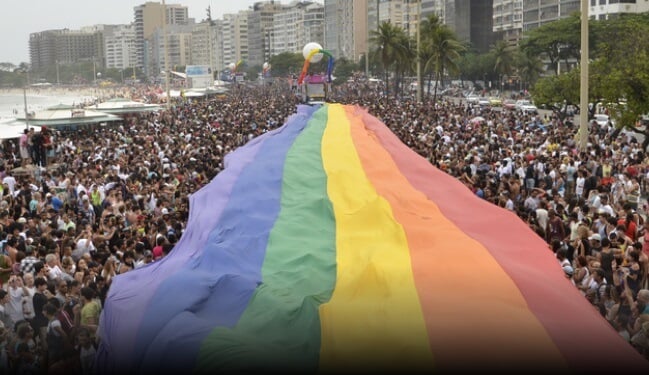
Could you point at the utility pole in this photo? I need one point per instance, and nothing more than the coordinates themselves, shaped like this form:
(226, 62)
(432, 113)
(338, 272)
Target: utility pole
(164, 33)
(583, 102)
(210, 23)
(26, 114)
(58, 81)
(419, 82)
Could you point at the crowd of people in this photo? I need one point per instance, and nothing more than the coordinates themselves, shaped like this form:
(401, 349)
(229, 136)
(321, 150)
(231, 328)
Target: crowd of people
(115, 198)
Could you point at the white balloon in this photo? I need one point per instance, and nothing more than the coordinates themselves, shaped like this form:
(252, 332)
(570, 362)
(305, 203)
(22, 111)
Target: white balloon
(266, 65)
(232, 66)
(310, 47)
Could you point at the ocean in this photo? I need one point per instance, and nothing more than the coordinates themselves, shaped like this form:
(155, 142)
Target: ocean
(13, 103)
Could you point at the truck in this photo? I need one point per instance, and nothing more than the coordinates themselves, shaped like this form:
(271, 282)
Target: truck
(315, 89)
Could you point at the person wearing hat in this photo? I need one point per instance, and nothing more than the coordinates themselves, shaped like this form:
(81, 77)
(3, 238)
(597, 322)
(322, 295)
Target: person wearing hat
(595, 243)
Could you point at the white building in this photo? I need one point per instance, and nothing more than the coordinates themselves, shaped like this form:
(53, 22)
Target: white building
(204, 44)
(606, 9)
(120, 46)
(508, 20)
(297, 25)
(346, 28)
(235, 38)
(179, 47)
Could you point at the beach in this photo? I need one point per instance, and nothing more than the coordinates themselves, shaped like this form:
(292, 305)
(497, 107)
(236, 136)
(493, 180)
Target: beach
(12, 101)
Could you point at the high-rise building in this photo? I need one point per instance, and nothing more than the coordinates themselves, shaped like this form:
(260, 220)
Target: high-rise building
(508, 20)
(51, 47)
(204, 43)
(607, 9)
(539, 12)
(149, 17)
(120, 46)
(260, 29)
(429, 7)
(472, 21)
(379, 11)
(235, 38)
(346, 28)
(296, 25)
(179, 47)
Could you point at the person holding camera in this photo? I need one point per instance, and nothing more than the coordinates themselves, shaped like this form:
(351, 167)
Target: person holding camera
(17, 298)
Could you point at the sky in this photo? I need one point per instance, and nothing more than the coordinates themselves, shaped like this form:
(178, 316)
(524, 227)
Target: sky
(23, 17)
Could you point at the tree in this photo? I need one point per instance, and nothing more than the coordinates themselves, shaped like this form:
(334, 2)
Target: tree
(503, 55)
(444, 47)
(388, 46)
(529, 67)
(287, 63)
(620, 70)
(343, 69)
(558, 40)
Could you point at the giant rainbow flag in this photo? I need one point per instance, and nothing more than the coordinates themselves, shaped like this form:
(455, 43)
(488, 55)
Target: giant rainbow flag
(329, 246)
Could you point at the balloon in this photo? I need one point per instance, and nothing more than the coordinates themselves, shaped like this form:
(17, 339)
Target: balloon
(232, 66)
(307, 50)
(266, 65)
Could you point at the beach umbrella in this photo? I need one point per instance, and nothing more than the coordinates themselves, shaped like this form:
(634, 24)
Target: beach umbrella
(477, 120)
(327, 245)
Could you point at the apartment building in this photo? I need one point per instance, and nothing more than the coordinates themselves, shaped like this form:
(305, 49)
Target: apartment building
(51, 47)
(607, 9)
(235, 38)
(260, 31)
(120, 46)
(148, 18)
(297, 25)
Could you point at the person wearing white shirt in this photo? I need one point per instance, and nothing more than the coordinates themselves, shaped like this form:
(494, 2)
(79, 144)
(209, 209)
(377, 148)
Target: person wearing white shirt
(84, 245)
(53, 270)
(17, 293)
(10, 181)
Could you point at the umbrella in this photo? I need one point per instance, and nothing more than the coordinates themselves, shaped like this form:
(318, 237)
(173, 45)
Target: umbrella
(477, 119)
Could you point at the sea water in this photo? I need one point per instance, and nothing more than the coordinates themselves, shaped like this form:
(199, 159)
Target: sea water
(13, 104)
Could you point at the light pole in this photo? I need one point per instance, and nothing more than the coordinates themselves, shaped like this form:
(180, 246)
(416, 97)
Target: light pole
(583, 102)
(94, 70)
(419, 82)
(164, 33)
(25, 98)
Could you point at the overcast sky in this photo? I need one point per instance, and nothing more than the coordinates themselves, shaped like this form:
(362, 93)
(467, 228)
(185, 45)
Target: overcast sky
(22, 17)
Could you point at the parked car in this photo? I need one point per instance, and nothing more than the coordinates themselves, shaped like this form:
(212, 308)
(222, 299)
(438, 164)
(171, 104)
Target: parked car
(526, 106)
(509, 104)
(602, 120)
(472, 99)
(495, 101)
(484, 102)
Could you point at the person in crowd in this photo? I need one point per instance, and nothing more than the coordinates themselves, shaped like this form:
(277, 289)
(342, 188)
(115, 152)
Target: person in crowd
(118, 197)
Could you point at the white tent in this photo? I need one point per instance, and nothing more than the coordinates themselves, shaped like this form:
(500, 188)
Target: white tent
(12, 129)
(122, 105)
(65, 115)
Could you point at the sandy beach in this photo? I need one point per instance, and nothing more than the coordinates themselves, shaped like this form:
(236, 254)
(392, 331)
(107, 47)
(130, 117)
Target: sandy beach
(12, 101)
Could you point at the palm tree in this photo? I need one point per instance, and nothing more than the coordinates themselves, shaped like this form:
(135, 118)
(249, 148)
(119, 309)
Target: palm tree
(388, 43)
(442, 49)
(504, 56)
(529, 67)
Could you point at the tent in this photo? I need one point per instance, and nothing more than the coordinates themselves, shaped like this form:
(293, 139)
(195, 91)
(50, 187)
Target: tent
(328, 245)
(68, 116)
(122, 105)
(14, 129)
